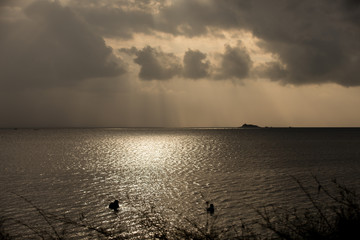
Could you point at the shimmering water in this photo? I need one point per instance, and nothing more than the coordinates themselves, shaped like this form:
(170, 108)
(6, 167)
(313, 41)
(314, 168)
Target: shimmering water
(75, 172)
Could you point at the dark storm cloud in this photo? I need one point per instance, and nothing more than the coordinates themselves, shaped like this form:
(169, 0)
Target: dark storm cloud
(156, 64)
(193, 18)
(123, 18)
(313, 39)
(235, 63)
(316, 41)
(50, 46)
(195, 64)
(272, 70)
(116, 20)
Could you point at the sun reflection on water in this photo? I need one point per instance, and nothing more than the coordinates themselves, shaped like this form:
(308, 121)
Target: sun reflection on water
(152, 151)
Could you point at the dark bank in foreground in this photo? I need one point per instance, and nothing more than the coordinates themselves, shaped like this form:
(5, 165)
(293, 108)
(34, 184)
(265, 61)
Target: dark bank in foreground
(334, 214)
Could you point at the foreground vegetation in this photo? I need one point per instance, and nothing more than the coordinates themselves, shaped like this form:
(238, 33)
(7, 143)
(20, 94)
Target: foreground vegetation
(334, 214)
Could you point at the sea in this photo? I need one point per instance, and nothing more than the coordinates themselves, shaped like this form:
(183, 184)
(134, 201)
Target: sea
(61, 181)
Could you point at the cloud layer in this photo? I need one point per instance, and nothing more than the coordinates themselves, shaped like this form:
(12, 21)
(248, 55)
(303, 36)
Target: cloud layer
(60, 62)
(234, 63)
(51, 46)
(314, 41)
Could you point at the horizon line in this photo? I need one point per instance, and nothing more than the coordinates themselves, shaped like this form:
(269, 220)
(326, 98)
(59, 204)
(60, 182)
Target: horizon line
(158, 127)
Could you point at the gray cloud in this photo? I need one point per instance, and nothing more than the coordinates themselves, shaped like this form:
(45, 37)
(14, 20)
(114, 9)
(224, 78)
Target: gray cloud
(120, 19)
(312, 62)
(195, 64)
(123, 18)
(50, 46)
(313, 39)
(272, 70)
(193, 18)
(317, 41)
(156, 64)
(235, 63)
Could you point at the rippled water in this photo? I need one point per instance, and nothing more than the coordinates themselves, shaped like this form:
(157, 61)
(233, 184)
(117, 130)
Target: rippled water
(75, 172)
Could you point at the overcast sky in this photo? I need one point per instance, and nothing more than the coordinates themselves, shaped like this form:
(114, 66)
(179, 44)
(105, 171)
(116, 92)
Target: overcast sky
(179, 63)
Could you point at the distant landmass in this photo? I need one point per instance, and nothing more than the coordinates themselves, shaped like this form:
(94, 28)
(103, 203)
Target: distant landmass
(249, 126)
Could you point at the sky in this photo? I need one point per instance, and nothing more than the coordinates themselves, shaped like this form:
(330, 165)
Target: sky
(179, 63)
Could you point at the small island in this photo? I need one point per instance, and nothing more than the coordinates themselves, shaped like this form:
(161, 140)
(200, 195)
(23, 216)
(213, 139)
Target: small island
(249, 126)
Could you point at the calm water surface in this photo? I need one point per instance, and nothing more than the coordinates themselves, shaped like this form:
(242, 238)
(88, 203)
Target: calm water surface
(74, 172)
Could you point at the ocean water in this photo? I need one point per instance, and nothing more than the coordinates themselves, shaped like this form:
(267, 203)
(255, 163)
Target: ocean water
(76, 173)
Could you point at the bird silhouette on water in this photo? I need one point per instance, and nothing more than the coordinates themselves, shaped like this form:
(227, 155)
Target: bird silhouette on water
(114, 205)
(210, 209)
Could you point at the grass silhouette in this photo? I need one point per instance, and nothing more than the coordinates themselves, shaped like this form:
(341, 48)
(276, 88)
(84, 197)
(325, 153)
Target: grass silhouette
(334, 214)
